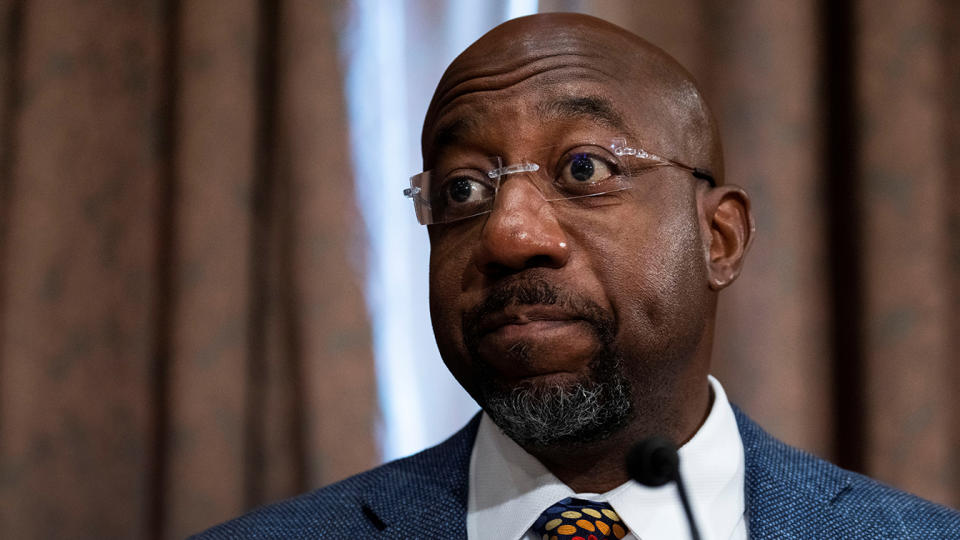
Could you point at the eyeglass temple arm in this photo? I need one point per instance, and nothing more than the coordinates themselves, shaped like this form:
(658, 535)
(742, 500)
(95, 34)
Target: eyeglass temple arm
(620, 148)
(704, 174)
(697, 172)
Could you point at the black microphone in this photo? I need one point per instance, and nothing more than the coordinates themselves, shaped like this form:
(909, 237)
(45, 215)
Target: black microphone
(654, 462)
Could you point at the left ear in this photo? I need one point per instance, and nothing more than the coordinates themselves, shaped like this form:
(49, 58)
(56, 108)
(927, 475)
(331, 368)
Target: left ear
(727, 228)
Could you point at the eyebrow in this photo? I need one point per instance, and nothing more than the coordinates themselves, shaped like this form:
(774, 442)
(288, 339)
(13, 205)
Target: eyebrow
(595, 108)
(453, 132)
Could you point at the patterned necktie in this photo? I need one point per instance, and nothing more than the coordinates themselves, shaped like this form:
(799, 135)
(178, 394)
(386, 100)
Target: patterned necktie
(579, 519)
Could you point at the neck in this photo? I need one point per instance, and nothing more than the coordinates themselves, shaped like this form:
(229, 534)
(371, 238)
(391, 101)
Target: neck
(598, 467)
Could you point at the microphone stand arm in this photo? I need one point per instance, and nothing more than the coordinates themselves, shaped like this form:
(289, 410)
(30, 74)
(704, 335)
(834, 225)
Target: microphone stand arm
(694, 533)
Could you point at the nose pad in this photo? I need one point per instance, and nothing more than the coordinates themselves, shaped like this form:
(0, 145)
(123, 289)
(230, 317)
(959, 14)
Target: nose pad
(521, 231)
(524, 172)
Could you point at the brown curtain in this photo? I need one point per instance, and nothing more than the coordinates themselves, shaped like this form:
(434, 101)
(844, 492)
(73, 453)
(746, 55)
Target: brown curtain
(183, 327)
(183, 333)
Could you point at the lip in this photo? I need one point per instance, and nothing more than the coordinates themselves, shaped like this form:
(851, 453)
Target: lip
(538, 329)
(524, 341)
(524, 319)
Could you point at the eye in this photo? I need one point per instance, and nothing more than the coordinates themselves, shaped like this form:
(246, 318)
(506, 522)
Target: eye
(582, 168)
(463, 190)
(460, 190)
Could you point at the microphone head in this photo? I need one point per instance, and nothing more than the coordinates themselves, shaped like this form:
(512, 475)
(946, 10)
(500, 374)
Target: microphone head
(653, 461)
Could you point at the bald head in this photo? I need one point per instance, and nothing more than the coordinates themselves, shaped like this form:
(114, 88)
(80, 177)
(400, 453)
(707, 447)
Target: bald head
(633, 81)
(573, 299)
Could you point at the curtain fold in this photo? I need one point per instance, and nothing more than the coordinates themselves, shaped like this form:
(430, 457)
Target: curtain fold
(213, 104)
(902, 114)
(80, 272)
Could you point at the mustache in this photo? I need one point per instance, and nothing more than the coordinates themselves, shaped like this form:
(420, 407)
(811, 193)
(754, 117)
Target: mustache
(529, 292)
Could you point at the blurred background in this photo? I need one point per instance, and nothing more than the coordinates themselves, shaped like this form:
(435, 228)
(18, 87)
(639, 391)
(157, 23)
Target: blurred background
(213, 294)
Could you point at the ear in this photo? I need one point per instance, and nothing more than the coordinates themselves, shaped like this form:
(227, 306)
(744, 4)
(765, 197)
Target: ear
(727, 229)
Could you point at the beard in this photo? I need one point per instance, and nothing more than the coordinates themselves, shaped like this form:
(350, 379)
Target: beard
(591, 408)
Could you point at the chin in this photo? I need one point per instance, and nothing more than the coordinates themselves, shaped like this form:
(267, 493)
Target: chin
(560, 408)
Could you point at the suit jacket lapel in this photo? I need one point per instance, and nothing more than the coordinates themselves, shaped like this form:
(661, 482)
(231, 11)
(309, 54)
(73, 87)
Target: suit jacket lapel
(427, 498)
(789, 494)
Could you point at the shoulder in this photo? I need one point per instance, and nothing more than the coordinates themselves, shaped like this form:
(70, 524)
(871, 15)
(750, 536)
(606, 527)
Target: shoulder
(793, 494)
(366, 503)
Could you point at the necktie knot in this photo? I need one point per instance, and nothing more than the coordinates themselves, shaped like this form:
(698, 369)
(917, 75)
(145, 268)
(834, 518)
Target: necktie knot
(579, 519)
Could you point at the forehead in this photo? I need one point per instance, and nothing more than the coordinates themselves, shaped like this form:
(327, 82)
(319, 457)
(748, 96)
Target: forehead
(567, 102)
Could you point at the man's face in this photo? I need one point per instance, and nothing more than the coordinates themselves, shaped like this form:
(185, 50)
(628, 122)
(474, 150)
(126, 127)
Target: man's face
(562, 318)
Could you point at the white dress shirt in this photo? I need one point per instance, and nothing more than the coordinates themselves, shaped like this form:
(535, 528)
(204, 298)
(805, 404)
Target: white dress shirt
(509, 488)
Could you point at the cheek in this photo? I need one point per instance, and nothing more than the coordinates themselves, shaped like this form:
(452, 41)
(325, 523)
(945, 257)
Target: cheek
(443, 292)
(448, 263)
(449, 271)
(654, 273)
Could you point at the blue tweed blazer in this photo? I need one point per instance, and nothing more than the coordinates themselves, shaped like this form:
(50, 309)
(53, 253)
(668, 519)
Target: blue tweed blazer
(789, 494)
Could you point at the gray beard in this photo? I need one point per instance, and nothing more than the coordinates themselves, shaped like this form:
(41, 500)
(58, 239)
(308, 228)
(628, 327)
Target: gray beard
(589, 410)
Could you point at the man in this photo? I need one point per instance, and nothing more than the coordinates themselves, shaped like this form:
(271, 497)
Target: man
(573, 285)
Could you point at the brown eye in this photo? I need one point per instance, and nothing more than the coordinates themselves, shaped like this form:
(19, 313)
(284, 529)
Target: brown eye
(581, 168)
(584, 169)
(460, 190)
(464, 190)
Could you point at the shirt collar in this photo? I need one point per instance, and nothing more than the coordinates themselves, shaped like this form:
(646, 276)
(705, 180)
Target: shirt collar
(509, 488)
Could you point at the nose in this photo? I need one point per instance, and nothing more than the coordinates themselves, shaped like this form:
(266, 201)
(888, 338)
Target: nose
(522, 231)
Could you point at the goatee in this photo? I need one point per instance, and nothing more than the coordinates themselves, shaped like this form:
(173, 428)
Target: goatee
(589, 409)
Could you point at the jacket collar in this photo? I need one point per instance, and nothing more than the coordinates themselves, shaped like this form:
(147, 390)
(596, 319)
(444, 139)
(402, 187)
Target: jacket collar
(427, 491)
(786, 488)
